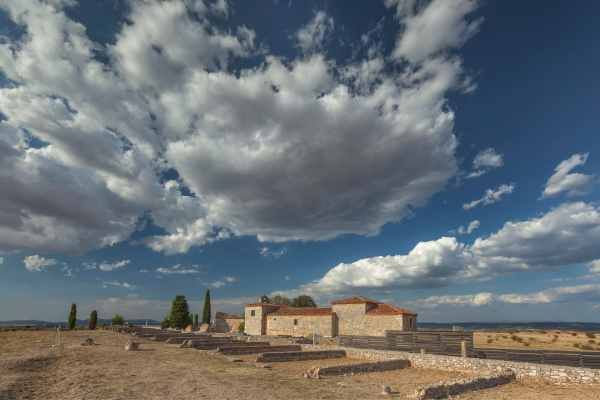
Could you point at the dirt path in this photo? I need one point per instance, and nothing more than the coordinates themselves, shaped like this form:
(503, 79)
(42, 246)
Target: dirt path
(29, 370)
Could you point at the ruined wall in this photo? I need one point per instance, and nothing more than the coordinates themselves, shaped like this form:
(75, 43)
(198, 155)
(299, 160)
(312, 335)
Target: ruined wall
(554, 374)
(226, 325)
(305, 325)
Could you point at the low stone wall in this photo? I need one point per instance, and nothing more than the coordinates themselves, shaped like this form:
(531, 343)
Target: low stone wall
(238, 351)
(379, 366)
(443, 390)
(300, 355)
(554, 374)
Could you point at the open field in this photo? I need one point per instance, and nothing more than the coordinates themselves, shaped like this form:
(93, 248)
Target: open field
(542, 340)
(30, 370)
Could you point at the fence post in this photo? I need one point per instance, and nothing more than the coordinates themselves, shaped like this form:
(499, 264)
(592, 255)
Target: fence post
(463, 349)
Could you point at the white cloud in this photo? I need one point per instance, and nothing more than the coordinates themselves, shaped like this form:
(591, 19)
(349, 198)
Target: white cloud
(435, 27)
(594, 267)
(38, 263)
(312, 36)
(228, 280)
(566, 235)
(106, 266)
(1, 260)
(579, 293)
(491, 196)
(180, 269)
(484, 161)
(268, 252)
(573, 184)
(264, 149)
(123, 285)
(473, 225)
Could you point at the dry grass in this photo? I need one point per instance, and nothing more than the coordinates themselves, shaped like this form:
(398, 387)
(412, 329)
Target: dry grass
(29, 370)
(542, 340)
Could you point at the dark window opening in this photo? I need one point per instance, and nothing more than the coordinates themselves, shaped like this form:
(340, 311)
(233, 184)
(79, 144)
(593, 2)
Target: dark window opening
(252, 313)
(295, 322)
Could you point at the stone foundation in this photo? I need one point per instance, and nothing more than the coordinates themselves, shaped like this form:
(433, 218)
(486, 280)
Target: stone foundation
(300, 355)
(554, 374)
(443, 390)
(357, 368)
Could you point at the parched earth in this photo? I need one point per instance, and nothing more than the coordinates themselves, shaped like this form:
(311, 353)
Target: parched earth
(30, 369)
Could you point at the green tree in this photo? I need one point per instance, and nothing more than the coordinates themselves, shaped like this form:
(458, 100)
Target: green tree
(241, 327)
(73, 316)
(179, 316)
(206, 311)
(93, 320)
(118, 320)
(265, 299)
(195, 321)
(303, 301)
(282, 300)
(166, 323)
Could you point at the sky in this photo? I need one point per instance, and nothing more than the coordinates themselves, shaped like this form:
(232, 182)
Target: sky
(440, 155)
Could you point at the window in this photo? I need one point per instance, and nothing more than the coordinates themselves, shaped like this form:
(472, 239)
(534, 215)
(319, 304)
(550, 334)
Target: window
(295, 322)
(252, 313)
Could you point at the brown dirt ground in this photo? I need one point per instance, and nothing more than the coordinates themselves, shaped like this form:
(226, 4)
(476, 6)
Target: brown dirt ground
(30, 370)
(542, 340)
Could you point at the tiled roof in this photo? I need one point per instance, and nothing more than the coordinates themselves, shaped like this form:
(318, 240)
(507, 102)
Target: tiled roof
(388, 309)
(355, 300)
(223, 315)
(263, 305)
(302, 311)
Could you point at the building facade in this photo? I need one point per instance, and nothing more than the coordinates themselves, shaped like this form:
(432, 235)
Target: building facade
(226, 323)
(354, 316)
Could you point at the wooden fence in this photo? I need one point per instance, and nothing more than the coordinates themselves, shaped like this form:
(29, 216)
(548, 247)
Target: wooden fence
(432, 342)
(566, 358)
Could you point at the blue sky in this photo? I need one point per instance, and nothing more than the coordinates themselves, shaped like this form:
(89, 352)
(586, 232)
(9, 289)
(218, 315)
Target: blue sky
(439, 155)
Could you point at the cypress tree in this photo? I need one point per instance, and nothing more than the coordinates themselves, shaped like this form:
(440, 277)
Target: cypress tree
(73, 316)
(195, 321)
(180, 315)
(206, 311)
(93, 320)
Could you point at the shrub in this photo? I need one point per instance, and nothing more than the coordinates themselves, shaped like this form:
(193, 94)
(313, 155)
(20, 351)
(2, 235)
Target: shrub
(590, 335)
(573, 333)
(490, 341)
(242, 327)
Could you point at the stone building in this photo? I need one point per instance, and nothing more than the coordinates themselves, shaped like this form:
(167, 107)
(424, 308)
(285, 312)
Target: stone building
(358, 316)
(225, 323)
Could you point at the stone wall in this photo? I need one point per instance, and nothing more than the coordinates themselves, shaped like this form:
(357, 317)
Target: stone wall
(554, 374)
(388, 365)
(300, 356)
(257, 324)
(226, 325)
(443, 390)
(300, 325)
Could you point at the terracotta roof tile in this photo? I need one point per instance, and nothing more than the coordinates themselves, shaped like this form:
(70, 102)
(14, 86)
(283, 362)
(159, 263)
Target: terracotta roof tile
(302, 311)
(388, 309)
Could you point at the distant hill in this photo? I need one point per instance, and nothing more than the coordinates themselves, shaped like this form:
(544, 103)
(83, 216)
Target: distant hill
(83, 322)
(503, 326)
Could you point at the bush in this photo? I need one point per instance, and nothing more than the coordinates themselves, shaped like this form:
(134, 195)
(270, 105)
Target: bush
(590, 335)
(242, 327)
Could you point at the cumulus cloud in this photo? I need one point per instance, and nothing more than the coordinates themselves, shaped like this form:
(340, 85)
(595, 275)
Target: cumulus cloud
(588, 293)
(473, 225)
(594, 267)
(433, 27)
(566, 235)
(484, 161)
(38, 263)
(563, 181)
(1, 260)
(312, 36)
(491, 196)
(180, 269)
(262, 150)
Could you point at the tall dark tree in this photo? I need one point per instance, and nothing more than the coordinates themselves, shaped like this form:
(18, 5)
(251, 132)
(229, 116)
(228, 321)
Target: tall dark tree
(195, 321)
(278, 299)
(73, 316)
(303, 301)
(180, 313)
(206, 310)
(93, 320)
